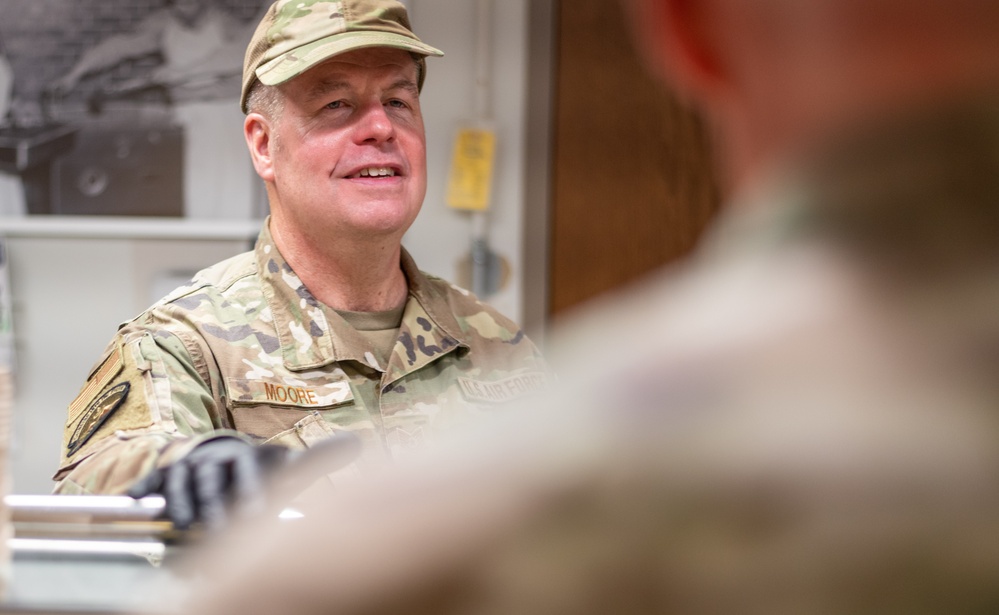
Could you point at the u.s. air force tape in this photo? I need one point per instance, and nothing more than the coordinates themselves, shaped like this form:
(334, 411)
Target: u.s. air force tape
(96, 414)
(500, 391)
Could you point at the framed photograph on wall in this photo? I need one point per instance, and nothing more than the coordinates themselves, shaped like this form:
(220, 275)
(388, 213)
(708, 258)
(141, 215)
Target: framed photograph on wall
(125, 108)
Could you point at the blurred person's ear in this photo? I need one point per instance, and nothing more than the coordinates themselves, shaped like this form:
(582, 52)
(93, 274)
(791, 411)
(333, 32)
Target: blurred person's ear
(679, 45)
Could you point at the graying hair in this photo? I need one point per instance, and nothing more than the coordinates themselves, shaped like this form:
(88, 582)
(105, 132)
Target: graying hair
(265, 100)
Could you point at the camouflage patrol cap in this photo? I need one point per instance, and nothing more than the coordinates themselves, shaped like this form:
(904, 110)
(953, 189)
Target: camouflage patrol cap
(296, 35)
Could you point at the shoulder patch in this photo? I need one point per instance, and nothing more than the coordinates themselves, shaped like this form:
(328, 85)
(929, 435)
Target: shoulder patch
(98, 379)
(95, 415)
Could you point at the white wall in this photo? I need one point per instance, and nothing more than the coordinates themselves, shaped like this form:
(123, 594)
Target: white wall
(69, 295)
(441, 237)
(71, 292)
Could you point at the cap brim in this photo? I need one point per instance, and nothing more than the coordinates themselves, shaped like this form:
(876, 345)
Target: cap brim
(301, 59)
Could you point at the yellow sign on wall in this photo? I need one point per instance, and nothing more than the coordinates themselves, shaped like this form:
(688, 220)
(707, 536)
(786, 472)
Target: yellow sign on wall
(471, 180)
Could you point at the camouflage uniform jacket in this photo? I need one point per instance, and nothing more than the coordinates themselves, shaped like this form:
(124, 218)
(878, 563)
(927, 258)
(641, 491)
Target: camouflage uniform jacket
(246, 348)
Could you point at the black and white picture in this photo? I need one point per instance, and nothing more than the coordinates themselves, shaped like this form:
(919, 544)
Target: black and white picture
(125, 107)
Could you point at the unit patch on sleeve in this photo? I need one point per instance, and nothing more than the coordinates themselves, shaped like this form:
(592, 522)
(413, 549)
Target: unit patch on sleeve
(95, 415)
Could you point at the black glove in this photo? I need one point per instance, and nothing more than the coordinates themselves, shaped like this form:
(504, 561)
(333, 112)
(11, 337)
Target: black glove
(217, 474)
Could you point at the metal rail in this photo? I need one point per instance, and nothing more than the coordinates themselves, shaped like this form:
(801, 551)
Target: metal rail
(88, 516)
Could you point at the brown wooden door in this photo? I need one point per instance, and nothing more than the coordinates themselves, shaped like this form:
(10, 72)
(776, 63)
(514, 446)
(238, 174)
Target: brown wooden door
(633, 185)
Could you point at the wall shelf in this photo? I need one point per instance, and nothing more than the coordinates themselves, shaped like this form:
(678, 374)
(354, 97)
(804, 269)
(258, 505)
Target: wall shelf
(124, 227)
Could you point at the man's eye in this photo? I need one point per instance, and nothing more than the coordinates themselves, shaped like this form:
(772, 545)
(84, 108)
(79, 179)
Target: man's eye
(336, 104)
(398, 104)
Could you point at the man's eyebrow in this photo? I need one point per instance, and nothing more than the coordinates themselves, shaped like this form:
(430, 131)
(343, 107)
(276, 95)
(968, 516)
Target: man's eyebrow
(323, 88)
(405, 84)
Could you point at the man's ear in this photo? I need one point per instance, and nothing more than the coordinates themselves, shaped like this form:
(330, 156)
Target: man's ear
(677, 43)
(257, 131)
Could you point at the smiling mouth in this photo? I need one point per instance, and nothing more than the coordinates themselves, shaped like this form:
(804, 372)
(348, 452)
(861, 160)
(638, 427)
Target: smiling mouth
(374, 172)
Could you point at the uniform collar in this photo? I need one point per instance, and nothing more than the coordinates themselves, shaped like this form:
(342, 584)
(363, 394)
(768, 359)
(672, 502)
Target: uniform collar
(312, 335)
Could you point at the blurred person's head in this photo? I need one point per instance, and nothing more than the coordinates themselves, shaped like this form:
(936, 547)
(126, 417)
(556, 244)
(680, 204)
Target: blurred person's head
(781, 76)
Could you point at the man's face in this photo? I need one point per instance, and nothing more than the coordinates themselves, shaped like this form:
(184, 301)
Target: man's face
(348, 149)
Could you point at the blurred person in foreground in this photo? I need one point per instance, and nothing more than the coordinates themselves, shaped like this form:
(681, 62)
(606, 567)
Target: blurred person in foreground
(804, 418)
(327, 327)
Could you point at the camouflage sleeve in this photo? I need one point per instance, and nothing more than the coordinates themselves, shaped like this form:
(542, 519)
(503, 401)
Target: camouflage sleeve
(148, 402)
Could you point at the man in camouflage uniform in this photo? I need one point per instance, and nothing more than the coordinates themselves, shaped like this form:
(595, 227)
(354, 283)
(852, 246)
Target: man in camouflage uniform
(327, 326)
(802, 419)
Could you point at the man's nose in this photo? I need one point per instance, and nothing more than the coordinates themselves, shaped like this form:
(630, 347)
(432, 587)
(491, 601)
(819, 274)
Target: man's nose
(375, 126)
